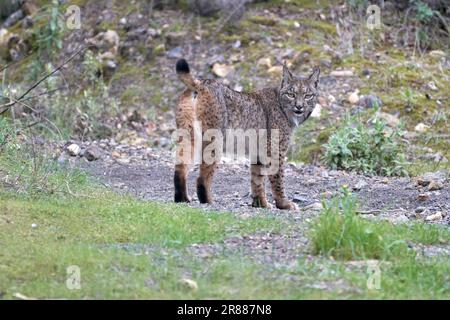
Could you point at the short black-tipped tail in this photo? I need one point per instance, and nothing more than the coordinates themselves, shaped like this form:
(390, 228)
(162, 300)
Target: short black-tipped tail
(185, 76)
(182, 66)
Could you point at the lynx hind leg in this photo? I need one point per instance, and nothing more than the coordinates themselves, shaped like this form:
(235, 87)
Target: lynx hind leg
(204, 182)
(185, 146)
(259, 199)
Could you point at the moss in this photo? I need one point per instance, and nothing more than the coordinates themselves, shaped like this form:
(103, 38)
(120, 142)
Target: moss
(322, 26)
(263, 20)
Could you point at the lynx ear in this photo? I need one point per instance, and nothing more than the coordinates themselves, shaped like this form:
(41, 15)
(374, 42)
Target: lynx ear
(314, 77)
(287, 76)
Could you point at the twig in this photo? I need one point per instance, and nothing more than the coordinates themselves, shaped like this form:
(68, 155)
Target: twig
(10, 104)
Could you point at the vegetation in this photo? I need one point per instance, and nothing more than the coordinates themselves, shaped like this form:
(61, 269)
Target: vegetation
(372, 148)
(53, 216)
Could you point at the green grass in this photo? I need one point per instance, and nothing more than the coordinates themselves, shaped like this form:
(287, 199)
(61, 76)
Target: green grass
(341, 233)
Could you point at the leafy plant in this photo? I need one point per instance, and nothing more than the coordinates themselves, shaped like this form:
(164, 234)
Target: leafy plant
(371, 148)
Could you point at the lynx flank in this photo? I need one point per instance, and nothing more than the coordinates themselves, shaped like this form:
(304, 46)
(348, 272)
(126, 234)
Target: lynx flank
(215, 106)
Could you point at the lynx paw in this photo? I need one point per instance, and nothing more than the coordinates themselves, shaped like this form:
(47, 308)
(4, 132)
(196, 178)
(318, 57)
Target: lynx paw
(285, 204)
(261, 202)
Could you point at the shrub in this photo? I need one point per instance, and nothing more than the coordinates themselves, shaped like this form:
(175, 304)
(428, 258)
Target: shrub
(372, 148)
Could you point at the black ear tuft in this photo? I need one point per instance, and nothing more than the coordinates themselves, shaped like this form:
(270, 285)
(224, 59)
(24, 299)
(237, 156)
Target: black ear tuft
(182, 66)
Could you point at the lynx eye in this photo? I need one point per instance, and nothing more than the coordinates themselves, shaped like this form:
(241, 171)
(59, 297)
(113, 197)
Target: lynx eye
(290, 95)
(308, 96)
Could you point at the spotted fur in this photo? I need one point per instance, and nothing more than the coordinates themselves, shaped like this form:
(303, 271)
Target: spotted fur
(215, 105)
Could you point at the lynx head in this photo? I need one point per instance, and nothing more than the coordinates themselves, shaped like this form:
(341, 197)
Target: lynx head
(298, 96)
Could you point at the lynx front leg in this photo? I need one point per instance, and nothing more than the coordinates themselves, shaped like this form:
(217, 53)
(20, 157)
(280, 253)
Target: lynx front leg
(277, 184)
(259, 199)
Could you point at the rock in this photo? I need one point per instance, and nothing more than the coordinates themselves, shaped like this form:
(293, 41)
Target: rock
(353, 98)
(92, 153)
(341, 73)
(189, 284)
(107, 44)
(174, 39)
(390, 119)
(420, 209)
(316, 206)
(232, 10)
(399, 219)
(34, 225)
(238, 88)
(359, 185)
(432, 86)
(301, 199)
(276, 70)
(434, 217)
(423, 197)
(437, 54)
(27, 22)
(222, 70)
(435, 185)
(317, 111)
(326, 63)
(13, 18)
(331, 99)
(370, 101)
(421, 127)
(265, 62)
(4, 39)
(175, 53)
(433, 180)
(73, 149)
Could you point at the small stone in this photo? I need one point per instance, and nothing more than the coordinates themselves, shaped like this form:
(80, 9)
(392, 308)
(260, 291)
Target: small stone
(361, 184)
(421, 127)
(175, 38)
(265, 62)
(275, 70)
(301, 199)
(296, 24)
(437, 53)
(391, 120)
(92, 153)
(435, 185)
(317, 111)
(34, 225)
(73, 149)
(370, 101)
(221, 70)
(326, 63)
(353, 98)
(175, 53)
(434, 217)
(423, 197)
(420, 209)
(399, 219)
(116, 154)
(341, 73)
(431, 85)
(316, 206)
(189, 284)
